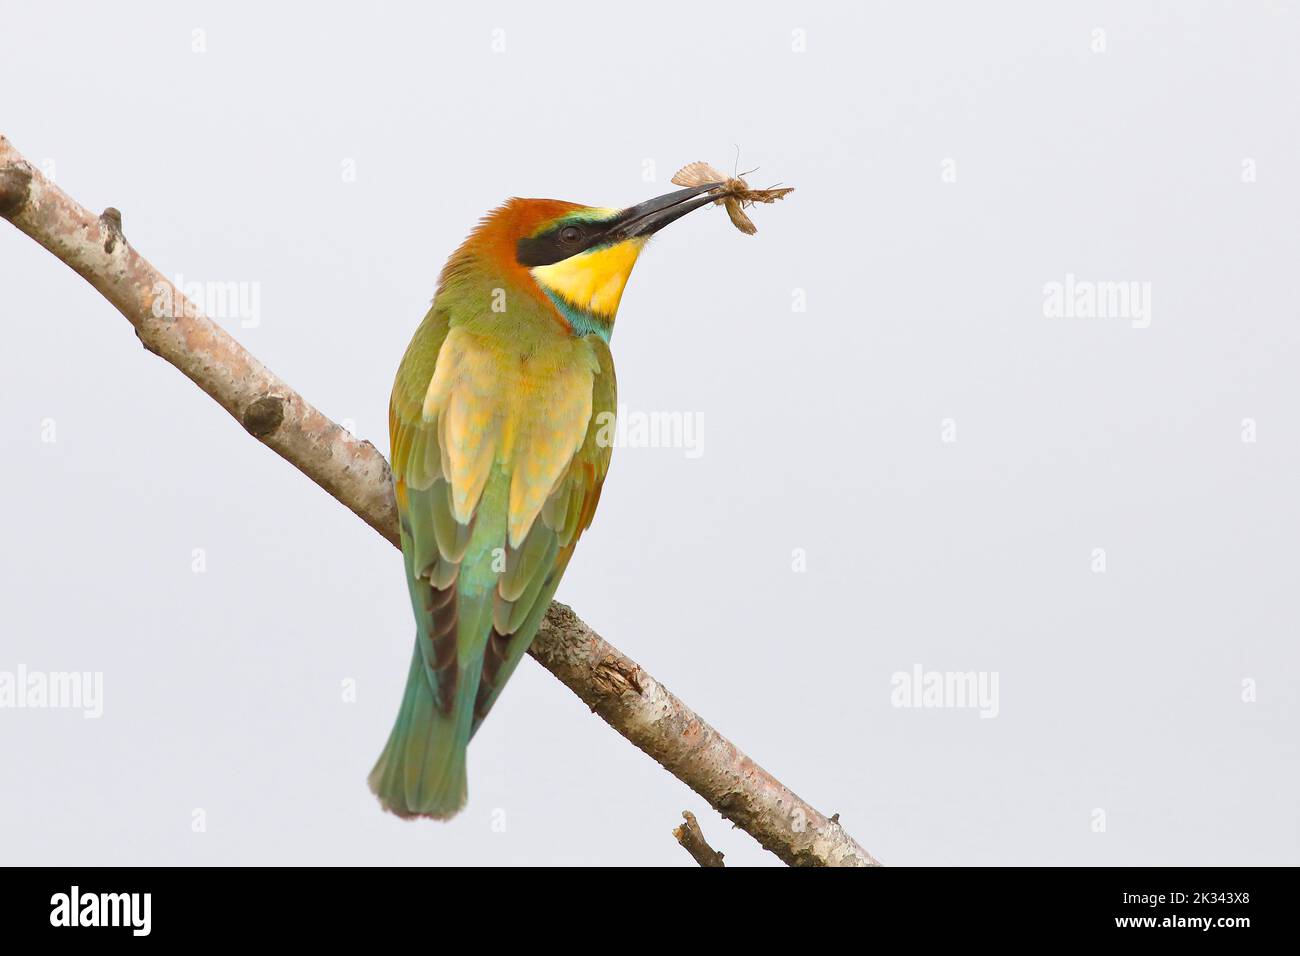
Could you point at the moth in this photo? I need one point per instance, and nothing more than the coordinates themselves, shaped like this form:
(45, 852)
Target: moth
(734, 193)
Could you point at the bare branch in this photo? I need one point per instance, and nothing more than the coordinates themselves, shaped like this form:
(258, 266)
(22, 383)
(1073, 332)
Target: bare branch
(355, 473)
(640, 708)
(691, 837)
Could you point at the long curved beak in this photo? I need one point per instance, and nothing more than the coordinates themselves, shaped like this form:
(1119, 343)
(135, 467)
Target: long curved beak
(647, 218)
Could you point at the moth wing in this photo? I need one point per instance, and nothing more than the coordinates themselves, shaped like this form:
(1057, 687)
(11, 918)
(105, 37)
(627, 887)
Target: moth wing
(697, 174)
(738, 217)
(768, 195)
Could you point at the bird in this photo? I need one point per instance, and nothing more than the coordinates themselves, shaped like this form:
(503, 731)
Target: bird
(499, 427)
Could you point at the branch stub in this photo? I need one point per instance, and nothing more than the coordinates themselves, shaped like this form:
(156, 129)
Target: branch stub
(15, 190)
(264, 416)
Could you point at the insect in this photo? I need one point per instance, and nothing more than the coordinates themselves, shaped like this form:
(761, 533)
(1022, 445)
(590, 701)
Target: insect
(734, 193)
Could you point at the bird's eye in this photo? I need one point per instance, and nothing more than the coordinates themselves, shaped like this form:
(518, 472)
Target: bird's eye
(570, 234)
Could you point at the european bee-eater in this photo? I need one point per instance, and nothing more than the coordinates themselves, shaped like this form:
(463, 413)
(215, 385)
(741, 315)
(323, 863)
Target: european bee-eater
(496, 420)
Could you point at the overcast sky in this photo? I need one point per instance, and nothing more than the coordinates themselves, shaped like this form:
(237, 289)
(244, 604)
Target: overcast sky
(1006, 388)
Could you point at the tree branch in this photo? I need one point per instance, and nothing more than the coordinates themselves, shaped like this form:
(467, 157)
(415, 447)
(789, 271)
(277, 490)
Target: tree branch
(691, 837)
(356, 474)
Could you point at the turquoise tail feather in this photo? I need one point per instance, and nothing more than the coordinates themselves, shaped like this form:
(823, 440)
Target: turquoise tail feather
(422, 772)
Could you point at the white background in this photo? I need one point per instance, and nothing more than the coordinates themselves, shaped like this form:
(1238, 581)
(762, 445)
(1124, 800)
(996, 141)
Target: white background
(1119, 691)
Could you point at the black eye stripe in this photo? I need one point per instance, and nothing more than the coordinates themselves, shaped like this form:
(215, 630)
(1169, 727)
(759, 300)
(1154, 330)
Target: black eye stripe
(556, 244)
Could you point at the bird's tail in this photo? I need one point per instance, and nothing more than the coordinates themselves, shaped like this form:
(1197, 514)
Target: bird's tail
(421, 772)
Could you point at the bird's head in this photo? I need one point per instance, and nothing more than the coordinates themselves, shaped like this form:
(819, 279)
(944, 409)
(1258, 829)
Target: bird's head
(575, 258)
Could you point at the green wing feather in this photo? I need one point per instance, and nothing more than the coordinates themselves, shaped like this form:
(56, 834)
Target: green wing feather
(474, 621)
(421, 771)
(534, 569)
